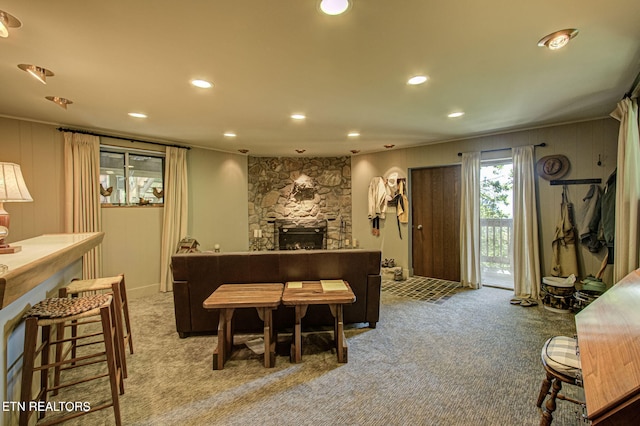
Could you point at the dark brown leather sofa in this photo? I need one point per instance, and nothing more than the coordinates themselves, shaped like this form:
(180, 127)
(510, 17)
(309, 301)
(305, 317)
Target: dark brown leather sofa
(197, 275)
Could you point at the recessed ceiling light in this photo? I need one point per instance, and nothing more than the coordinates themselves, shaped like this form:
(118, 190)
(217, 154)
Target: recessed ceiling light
(355, 151)
(243, 151)
(298, 116)
(558, 40)
(203, 84)
(8, 21)
(389, 146)
(418, 79)
(334, 7)
(300, 151)
(37, 72)
(137, 115)
(353, 134)
(62, 102)
(456, 114)
(229, 134)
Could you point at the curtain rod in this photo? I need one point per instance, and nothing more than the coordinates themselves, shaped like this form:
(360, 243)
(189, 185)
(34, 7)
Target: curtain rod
(86, 132)
(501, 149)
(635, 88)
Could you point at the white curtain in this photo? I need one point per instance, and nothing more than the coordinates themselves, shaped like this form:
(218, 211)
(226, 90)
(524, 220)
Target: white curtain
(526, 256)
(626, 250)
(82, 194)
(470, 221)
(174, 224)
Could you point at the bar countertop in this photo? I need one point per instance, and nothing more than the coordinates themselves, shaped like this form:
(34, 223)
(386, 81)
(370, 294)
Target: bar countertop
(40, 258)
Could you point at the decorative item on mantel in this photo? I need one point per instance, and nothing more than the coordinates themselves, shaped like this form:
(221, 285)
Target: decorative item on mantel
(256, 240)
(12, 189)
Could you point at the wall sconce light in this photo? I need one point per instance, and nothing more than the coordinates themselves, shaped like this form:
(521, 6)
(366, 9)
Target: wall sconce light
(12, 189)
(62, 102)
(8, 21)
(37, 72)
(558, 40)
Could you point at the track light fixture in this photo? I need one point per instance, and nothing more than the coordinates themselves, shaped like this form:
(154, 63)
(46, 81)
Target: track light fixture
(558, 39)
(62, 102)
(37, 72)
(8, 21)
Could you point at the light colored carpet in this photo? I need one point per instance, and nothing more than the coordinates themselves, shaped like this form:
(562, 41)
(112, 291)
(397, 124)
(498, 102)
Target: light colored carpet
(474, 360)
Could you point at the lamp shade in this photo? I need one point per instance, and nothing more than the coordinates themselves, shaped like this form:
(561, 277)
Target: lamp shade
(12, 186)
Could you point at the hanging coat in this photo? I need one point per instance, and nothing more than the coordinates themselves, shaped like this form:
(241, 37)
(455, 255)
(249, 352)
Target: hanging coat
(590, 206)
(377, 198)
(403, 204)
(565, 255)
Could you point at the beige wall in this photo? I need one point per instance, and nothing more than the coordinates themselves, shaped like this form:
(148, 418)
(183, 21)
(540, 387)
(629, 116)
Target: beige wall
(38, 149)
(580, 142)
(217, 198)
(131, 246)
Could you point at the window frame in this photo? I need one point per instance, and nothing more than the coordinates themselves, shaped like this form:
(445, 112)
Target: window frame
(126, 153)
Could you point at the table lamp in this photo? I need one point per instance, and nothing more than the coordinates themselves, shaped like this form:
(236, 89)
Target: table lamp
(12, 189)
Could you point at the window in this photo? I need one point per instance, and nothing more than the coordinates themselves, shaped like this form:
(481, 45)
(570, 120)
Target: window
(131, 177)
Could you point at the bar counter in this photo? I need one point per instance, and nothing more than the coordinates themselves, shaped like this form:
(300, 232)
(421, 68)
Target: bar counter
(40, 258)
(44, 264)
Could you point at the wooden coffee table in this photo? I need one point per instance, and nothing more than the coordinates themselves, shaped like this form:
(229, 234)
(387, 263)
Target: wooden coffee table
(312, 293)
(228, 297)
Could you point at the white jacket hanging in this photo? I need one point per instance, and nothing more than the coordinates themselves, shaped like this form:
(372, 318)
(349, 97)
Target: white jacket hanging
(377, 198)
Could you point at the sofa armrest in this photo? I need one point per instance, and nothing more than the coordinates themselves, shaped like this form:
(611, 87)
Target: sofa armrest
(182, 307)
(374, 285)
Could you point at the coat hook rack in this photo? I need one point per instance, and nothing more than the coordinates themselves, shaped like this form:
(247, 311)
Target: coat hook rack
(574, 181)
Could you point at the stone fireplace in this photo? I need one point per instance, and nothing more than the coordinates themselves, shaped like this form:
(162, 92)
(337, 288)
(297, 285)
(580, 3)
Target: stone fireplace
(289, 198)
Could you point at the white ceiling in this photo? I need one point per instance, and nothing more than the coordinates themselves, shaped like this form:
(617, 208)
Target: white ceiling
(268, 59)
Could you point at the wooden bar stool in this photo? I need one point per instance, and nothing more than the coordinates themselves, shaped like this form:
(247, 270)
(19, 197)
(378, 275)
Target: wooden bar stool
(116, 286)
(59, 312)
(562, 364)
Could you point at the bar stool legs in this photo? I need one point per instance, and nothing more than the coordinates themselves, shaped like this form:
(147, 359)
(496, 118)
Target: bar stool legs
(54, 312)
(116, 286)
(561, 364)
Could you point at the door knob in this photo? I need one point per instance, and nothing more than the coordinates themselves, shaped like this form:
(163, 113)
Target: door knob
(419, 226)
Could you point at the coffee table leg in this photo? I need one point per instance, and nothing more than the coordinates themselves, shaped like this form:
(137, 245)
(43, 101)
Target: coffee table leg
(296, 345)
(225, 339)
(338, 333)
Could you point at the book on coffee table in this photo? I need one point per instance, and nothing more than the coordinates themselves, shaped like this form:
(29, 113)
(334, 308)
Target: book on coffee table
(333, 285)
(294, 284)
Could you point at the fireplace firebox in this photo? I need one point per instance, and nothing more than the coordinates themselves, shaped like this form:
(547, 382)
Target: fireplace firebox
(301, 236)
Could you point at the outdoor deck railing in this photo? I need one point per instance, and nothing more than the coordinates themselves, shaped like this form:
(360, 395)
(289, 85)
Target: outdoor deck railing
(495, 243)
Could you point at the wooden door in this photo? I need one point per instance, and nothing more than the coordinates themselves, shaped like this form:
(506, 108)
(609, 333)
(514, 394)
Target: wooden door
(435, 201)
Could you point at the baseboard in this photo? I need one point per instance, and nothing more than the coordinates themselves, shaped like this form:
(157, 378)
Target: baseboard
(144, 291)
